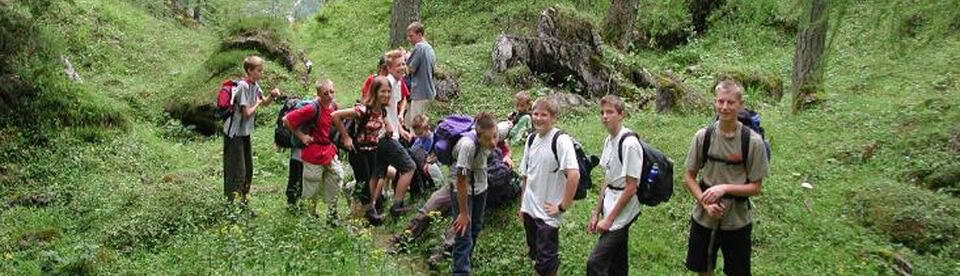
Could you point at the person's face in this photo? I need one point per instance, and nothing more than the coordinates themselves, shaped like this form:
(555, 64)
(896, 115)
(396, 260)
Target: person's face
(420, 131)
(727, 105)
(612, 119)
(542, 119)
(256, 73)
(487, 137)
(397, 69)
(413, 37)
(383, 94)
(521, 106)
(326, 93)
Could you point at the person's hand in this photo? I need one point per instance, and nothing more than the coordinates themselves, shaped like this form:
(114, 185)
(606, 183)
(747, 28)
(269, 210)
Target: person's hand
(406, 136)
(347, 143)
(552, 209)
(461, 224)
(715, 210)
(713, 194)
(305, 139)
(275, 92)
(509, 161)
(604, 225)
(592, 224)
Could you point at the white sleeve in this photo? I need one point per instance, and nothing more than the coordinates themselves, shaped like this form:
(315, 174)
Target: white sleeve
(632, 158)
(566, 154)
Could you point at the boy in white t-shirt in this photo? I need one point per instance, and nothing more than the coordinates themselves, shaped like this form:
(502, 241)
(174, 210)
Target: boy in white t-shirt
(617, 207)
(550, 182)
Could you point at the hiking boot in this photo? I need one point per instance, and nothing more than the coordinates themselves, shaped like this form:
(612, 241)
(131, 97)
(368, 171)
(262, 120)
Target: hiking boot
(436, 259)
(398, 209)
(374, 218)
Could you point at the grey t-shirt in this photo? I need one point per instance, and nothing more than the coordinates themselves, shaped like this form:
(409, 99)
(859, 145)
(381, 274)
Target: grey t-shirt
(422, 61)
(470, 160)
(244, 95)
(757, 167)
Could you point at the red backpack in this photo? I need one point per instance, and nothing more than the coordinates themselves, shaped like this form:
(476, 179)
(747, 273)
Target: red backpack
(225, 106)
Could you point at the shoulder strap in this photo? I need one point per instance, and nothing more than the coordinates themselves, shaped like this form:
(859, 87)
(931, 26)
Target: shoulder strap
(745, 147)
(553, 147)
(620, 144)
(316, 111)
(705, 147)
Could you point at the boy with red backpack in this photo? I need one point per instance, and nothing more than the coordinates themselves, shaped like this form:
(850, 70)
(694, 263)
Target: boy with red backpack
(246, 98)
(322, 172)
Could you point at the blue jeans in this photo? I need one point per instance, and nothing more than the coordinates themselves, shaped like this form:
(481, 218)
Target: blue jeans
(463, 245)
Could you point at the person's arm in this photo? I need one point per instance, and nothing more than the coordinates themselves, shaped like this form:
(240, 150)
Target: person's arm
(415, 59)
(338, 117)
(595, 216)
(629, 190)
(294, 119)
(568, 159)
(462, 222)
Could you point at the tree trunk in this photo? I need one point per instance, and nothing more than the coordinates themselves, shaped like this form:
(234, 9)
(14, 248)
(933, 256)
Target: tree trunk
(619, 22)
(404, 12)
(700, 11)
(808, 56)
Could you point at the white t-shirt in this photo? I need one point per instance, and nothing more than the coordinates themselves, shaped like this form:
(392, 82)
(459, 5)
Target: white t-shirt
(544, 184)
(615, 175)
(393, 118)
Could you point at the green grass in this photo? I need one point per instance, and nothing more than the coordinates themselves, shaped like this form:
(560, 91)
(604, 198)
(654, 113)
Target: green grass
(134, 192)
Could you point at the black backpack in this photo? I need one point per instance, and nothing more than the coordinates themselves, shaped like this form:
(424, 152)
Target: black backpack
(282, 136)
(584, 161)
(502, 184)
(655, 185)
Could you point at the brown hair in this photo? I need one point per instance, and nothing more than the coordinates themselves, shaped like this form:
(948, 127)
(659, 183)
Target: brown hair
(378, 82)
(484, 121)
(522, 96)
(614, 101)
(416, 27)
(420, 121)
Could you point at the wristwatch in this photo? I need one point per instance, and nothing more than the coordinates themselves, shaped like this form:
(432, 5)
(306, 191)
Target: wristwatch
(560, 207)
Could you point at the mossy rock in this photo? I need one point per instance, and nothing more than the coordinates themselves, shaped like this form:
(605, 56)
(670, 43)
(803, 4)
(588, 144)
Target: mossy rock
(519, 77)
(923, 221)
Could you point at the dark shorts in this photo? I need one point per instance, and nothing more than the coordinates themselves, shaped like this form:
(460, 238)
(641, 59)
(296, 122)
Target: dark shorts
(391, 153)
(735, 245)
(543, 241)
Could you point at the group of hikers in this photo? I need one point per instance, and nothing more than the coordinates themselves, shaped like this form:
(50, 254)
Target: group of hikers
(389, 142)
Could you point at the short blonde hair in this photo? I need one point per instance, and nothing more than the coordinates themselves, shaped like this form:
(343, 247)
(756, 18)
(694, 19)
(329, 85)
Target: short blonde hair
(549, 104)
(321, 83)
(251, 62)
(729, 86)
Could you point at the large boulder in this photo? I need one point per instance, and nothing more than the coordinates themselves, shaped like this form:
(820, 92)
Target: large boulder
(446, 85)
(566, 51)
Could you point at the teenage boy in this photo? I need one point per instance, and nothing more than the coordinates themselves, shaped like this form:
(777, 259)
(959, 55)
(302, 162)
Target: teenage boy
(422, 61)
(237, 154)
(617, 207)
(722, 218)
(469, 177)
(550, 182)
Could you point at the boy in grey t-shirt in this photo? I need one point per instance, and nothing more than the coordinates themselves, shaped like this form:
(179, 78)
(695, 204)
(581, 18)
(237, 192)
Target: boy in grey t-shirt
(421, 63)
(469, 177)
(237, 155)
(722, 218)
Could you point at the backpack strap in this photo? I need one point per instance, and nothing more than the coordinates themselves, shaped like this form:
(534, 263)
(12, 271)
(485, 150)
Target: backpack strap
(235, 102)
(622, 139)
(744, 148)
(553, 147)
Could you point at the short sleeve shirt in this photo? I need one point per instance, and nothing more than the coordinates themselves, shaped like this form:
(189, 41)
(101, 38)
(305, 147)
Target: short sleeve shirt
(369, 134)
(713, 173)
(616, 172)
(244, 95)
(470, 160)
(546, 177)
(422, 60)
(321, 151)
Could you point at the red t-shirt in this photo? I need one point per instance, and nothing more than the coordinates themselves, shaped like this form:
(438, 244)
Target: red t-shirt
(321, 151)
(404, 90)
